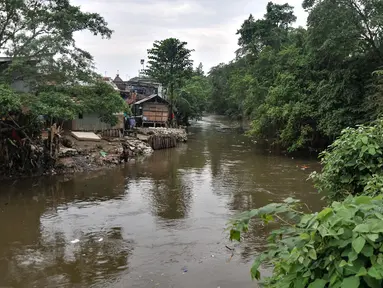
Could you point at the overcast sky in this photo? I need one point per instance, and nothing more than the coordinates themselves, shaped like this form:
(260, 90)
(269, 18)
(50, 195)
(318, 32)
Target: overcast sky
(209, 27)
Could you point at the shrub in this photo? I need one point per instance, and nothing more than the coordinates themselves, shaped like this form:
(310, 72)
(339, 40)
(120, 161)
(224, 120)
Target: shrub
(341, 246)
(352, 165)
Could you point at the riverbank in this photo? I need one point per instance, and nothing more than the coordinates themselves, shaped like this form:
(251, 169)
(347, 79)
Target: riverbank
(77, 156)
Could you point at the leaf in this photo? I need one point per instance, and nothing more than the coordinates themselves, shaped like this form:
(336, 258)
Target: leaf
(255, 273)
(365, 139)
(372, 151)
(358, 244)
(362, 228)
(362, 272)
(372, 237)
(363, 200)
(372, 283)
(350, 282)
(368, 251)
(318, 283)
(374, 273)
(305, 236)
(313, 254)
(235, 235)
(343, 263)
(324, 213)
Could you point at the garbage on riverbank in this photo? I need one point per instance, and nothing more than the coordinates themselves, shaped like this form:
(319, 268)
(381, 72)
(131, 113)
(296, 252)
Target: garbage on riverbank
(90, 155)
(74, 155)
(179, 134)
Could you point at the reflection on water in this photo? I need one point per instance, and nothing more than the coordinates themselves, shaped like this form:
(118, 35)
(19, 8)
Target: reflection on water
(153, 223)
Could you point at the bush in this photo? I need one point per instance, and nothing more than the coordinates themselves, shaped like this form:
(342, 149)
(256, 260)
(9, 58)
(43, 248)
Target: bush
(353, 163)
(341, 246)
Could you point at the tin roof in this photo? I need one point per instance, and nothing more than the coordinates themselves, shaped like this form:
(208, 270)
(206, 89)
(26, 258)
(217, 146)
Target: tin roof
(149, 98)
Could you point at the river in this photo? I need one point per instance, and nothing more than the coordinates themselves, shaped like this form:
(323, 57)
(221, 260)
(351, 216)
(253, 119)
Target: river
(157, 222)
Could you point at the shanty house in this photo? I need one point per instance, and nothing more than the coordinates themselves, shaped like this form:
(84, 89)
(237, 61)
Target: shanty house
(92, 122)
(153, 110)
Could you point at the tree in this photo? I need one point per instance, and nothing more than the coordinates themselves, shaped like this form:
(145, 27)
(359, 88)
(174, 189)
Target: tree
(191, 99)
(170, 64)
(270, 31)
(38, 36)
(199, 70)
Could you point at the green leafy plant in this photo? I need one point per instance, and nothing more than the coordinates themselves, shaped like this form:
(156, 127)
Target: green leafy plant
(341, 246)
(353, 163)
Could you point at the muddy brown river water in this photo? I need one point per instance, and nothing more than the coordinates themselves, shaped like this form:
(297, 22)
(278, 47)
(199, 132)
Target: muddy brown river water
(157, 222)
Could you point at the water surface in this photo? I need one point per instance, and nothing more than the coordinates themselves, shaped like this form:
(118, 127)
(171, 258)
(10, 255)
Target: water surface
(153, 223)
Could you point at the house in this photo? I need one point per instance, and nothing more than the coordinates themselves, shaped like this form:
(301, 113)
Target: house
(91, 122)
(141, 86)
(119, 83)
(18, 84)
(152, 110)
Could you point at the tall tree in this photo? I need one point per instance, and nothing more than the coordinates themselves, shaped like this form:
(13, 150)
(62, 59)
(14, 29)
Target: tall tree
(170, 63)
(38, 35)
(199, 70)
(270, 31)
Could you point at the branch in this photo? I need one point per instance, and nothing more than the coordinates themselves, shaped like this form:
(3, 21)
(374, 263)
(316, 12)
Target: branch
(370, 37)
(6, 22)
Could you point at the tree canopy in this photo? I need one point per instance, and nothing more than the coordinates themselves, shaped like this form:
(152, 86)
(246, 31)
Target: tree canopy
(170, 63)
(38, 36)
(300, 87)
(46, 76)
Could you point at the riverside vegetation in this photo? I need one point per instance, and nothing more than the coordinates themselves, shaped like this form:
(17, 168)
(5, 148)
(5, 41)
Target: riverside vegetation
(342, 245)
(306, 88)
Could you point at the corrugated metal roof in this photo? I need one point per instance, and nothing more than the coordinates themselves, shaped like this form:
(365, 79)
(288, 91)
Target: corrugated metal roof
(150, 97)
(146, 99)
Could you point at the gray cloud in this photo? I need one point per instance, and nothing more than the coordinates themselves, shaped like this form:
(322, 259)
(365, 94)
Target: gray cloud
(209, 27)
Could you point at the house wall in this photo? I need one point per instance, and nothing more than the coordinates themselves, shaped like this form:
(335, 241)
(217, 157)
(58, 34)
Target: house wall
(155, 112)
(91, 122)
(20, 86)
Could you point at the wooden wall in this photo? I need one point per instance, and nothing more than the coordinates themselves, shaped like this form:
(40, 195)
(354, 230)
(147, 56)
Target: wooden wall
(155, 112)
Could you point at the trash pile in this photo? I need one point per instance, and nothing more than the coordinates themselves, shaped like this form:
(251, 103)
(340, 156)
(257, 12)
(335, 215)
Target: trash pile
(178, 133)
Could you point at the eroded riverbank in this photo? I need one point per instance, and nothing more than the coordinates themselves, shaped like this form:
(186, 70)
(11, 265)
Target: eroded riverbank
(152, 223)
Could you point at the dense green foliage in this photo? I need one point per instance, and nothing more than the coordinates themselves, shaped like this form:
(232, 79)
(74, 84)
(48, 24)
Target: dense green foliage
(43, 57)
(46, 79)
(191, 98)
(301, 87)
(45, 61)
(342, 246)
(353, 163)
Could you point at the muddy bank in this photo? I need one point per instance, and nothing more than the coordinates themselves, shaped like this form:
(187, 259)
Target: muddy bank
(76, 156)
(84, 156)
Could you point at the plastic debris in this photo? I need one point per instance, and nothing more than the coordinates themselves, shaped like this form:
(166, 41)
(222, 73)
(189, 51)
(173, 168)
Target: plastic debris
(99, 240)
(75, 241)
(185, 269)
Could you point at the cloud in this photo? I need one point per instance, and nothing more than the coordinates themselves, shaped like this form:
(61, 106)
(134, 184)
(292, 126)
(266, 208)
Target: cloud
(209, 27)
